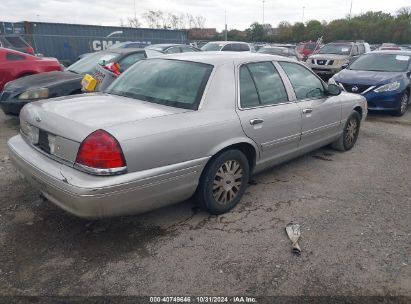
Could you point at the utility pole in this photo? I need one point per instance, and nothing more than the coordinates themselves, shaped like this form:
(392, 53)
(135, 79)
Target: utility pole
(263, 10)
(303, 14)
(225, 22)
(350, 9)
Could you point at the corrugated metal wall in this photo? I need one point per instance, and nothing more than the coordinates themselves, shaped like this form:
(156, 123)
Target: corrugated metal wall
(67, 41)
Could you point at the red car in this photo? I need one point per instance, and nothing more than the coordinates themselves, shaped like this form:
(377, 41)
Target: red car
(15, 64)
(305, 49)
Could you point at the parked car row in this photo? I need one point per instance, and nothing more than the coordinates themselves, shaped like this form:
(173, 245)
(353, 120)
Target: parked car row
(15, 64)
(57, 83)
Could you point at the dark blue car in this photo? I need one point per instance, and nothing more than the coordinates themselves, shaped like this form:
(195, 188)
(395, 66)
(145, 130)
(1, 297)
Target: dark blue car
(382, 77)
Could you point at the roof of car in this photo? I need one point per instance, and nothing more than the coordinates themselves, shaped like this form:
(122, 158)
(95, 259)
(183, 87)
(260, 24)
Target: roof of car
(164, 45)
(124, 50)
(219, 58)
(274, 47)
(227, 42)
(391, 52)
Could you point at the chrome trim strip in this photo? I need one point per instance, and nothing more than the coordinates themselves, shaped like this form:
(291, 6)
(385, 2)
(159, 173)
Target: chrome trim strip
(369, 89)
(99, 171)
(277, 142)
(319, 129)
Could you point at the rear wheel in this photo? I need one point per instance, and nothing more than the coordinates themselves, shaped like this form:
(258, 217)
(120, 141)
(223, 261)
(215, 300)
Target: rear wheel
(350, 133)
(403, 105)
(223, 182)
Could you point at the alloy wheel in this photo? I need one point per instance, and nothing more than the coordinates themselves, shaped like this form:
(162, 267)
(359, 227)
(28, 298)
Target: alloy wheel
(404, 103)
(227, 182)
(351, 132)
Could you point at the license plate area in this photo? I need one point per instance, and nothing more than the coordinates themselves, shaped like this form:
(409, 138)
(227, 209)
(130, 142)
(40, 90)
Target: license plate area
(47, 142)
(44, 141)
(33, 134)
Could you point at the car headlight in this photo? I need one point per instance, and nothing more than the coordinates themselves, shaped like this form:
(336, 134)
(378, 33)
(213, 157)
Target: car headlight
(392, 86)
(341, 61)
(34, 94)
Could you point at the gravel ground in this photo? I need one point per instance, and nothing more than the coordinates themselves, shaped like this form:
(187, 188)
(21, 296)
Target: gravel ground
(354, 209)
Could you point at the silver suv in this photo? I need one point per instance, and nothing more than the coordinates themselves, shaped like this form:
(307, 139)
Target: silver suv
(332, 57)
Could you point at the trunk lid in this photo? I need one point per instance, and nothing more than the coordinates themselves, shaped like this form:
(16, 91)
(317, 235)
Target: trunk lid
(75, 117)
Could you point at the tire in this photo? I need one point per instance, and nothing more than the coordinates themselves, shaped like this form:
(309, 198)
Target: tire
(349, 136)
(403, 105)
(223, 182)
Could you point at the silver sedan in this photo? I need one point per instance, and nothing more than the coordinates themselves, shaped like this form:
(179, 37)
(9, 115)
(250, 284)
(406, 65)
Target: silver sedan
(194, 124)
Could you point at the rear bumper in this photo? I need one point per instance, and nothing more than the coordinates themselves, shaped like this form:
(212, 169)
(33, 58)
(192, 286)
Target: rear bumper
(90, 196)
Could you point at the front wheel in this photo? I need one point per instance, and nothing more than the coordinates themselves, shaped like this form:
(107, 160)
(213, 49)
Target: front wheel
(223, 182)
(403, 105)
(350, 133)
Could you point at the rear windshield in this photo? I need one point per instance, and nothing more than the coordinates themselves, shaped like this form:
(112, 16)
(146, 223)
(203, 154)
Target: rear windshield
(336, 48)
(168, 82)
(212, 47)
(16, 42)
(382, 63)
(87, 64)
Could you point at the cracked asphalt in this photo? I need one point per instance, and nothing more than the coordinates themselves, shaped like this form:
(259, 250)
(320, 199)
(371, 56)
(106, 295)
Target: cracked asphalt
(354, 209)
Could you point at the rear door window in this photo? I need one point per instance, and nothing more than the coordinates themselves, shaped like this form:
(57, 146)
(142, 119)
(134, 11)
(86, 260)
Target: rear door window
(236, 47)
(267, 82)
(227, 47)
(244, 47)
(306, 85)
(248, 91)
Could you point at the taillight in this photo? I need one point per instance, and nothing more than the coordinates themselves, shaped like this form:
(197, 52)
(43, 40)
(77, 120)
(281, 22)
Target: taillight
(113, 67)
(30, 50)
(100, 153)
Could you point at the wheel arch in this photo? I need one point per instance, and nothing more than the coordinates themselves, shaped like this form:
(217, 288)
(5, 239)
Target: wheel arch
(359, 110)
(247, 146)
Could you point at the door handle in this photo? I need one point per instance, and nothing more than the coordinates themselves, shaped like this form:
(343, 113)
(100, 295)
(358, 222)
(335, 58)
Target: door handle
(307, 111)
(256, 121)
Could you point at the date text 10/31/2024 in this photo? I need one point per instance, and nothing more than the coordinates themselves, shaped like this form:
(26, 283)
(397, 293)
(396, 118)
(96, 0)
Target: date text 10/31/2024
(238, 299)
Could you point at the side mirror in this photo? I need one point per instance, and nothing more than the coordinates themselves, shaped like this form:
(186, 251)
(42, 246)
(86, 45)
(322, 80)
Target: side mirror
(333, 90)
(344, 66)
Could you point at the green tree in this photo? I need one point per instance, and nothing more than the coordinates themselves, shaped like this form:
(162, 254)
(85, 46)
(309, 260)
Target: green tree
(255, 32)
(298, 30)
(313, 30)
(285, 32)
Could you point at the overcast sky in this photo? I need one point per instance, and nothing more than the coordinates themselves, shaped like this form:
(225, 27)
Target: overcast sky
(240, 13)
